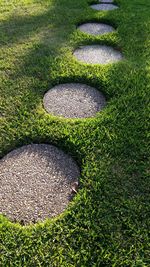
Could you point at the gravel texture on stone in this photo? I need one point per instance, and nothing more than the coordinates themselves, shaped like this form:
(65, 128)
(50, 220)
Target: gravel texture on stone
(74, 100)
(97, 54)
(106, 1)
(36, 182)
(95, 28)
(104, 7)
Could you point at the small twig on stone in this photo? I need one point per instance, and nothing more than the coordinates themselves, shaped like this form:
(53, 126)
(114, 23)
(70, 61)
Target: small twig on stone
(75, 187)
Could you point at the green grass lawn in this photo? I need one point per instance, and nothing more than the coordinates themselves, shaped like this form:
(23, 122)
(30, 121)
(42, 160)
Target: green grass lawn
(107, 222)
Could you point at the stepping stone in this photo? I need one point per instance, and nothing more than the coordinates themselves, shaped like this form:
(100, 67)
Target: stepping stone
(95, 28)
(97, 54)
(73, 100)
(106, 1)
(37, 182)
(104, 7)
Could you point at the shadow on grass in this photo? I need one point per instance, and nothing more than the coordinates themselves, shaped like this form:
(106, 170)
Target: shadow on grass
(17, 28)
(30, 77)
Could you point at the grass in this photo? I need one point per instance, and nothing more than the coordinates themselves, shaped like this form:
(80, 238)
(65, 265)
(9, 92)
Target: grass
(107, 222)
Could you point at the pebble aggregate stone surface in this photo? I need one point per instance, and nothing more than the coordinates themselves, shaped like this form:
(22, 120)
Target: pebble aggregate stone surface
(97, 54)
(106, 1)
(104, 7)
(95, 28)
(73, 100)
(36, 182)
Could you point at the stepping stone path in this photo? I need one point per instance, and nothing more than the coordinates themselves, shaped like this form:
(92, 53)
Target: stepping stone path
(104, 7)
(97, 54)
(37, 182)
(74, 100)
(95, 28)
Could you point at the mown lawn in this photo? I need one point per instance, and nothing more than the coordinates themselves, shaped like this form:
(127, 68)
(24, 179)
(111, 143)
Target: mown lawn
(107, 223)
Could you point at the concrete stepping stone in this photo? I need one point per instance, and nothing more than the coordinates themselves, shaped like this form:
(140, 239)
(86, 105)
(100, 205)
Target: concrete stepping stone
(37, 182)
(104, 7)
(73, 100)
(95, 28)
(106, 1)
(97, 54)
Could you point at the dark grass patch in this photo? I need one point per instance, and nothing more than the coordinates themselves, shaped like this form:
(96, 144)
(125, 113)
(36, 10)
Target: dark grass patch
(102, 20)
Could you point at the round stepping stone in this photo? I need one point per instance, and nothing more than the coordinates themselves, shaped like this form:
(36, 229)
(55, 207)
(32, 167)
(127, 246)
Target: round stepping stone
(95, 28)
(106, 1)
(74, 100)
(104, 7)
(97, 54)
(37, 182)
